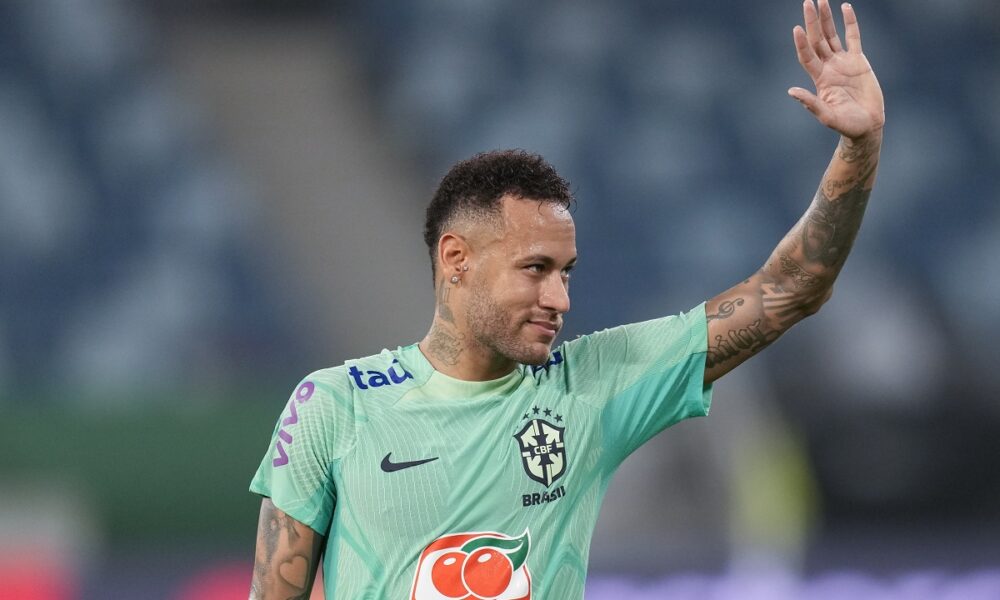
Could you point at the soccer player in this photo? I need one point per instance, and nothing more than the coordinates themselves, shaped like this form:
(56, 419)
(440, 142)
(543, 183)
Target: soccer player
(473, 464)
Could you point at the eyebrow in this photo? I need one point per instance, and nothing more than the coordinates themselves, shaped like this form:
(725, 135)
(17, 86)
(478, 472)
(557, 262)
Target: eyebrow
(546, 260)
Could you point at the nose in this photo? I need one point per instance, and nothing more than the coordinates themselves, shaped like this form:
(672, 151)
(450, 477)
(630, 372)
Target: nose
(555, 294)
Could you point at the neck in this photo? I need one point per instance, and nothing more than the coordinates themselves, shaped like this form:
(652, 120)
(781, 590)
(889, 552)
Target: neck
(452, 351)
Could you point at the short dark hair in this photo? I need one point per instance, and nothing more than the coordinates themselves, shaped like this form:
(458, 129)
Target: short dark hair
(473, 188)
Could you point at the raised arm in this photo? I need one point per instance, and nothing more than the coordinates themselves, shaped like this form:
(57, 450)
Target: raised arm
(287, 556)
(798, 276)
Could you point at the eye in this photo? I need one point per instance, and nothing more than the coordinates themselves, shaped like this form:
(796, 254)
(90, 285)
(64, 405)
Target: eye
(536, 268)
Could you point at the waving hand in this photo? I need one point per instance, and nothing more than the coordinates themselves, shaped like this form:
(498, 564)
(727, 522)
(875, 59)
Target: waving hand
(848, 98)
(799, 275)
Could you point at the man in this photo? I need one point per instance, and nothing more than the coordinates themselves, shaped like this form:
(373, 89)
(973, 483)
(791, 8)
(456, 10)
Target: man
(472, 464)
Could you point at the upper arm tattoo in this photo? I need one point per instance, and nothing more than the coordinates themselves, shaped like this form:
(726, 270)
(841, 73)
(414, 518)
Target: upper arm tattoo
(726, 309)
(287, 557)
(750, 338)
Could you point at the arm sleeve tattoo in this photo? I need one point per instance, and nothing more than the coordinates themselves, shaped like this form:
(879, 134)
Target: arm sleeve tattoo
(799, 275)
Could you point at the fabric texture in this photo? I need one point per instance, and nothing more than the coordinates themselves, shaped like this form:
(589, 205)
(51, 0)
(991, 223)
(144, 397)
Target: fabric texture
(429, 487)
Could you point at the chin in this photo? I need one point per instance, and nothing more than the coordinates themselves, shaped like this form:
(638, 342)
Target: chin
(536, 354)
(520, 349)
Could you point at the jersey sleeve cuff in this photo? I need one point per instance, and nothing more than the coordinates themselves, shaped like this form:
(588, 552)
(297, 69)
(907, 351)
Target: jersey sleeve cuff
(294, 510)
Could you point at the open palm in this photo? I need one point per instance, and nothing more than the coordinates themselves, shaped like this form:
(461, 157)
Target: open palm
(848, 98)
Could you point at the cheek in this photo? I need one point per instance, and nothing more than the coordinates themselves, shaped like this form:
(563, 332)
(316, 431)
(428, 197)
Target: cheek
(510, 289)
(518, 297)
(505, 298)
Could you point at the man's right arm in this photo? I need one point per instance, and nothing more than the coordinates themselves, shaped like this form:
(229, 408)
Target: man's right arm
(287, 556)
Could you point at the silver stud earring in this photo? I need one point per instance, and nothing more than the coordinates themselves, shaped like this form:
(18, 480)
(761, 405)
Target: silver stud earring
(465, 267)
(454, 278)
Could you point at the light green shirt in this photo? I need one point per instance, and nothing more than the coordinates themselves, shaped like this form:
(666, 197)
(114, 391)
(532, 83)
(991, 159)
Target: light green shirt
(428, 487)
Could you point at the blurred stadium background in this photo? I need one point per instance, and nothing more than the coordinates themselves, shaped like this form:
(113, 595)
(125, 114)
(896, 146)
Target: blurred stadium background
(203, 200)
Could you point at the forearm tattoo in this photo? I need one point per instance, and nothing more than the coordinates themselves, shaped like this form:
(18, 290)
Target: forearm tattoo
(863, 156)
(801, 278)
(800, 274)
(831, 226)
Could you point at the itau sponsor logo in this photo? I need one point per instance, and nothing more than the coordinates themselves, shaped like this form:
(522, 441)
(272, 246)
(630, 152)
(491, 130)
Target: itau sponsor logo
(474, 566)
(364, 380)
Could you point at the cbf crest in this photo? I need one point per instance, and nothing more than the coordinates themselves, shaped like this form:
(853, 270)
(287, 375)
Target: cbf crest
(543, 452)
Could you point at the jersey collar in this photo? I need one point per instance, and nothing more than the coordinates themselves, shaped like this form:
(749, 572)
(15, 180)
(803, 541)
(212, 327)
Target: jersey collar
(436, 383)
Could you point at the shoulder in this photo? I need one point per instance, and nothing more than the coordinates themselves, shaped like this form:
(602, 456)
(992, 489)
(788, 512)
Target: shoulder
(357, 374)
(380, 375)
(661, 332)
(330, 405)
(603, 363)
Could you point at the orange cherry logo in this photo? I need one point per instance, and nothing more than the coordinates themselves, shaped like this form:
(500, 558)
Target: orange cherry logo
(474, 566)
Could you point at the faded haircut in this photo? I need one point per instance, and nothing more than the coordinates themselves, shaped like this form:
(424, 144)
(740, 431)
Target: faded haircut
(472, 189)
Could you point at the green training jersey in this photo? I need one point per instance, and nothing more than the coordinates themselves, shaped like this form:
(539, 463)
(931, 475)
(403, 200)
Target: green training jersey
(431, 488)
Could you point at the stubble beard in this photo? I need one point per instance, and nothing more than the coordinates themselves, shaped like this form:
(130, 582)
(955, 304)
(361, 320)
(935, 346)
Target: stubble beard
(491, 328)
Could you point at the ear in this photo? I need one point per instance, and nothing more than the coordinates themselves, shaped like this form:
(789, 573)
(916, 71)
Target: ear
(453, 251)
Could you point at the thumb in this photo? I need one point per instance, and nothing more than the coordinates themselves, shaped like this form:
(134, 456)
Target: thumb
(810, 101)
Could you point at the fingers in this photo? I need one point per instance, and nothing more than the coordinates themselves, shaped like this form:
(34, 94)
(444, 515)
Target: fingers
(828, 26)
(852, 33)
(807, 57)
(814, 30)
(812, 103)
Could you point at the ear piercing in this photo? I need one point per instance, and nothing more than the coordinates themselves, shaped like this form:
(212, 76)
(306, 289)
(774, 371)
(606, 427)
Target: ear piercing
(456, 278)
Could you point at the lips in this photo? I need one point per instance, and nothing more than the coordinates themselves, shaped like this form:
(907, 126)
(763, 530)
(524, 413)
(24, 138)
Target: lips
(546, 327)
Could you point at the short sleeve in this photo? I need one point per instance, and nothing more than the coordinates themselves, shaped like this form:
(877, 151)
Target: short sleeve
(645, 376)
(296, 472)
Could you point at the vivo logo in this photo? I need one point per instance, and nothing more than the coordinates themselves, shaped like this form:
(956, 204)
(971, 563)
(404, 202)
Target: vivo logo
(302, 395)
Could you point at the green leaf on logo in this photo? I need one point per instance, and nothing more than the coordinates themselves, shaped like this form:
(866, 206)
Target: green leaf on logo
(515, 549)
